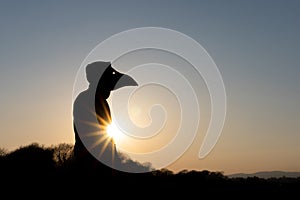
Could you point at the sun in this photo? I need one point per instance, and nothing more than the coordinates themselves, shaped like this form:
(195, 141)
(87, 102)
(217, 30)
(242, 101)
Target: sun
(113, 131)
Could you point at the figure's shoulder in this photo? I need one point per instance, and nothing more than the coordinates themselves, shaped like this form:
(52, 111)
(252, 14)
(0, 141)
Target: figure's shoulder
(82, 97)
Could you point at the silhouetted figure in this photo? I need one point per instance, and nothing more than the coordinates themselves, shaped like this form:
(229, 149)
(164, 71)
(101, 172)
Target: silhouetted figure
(91, 115)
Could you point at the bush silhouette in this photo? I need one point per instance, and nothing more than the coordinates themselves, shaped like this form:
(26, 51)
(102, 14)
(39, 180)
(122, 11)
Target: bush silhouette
(36, 166)
(29, 160)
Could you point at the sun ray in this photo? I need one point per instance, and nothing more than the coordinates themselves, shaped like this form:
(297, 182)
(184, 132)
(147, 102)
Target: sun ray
(99, 141)
(105, 145)
(101, 126)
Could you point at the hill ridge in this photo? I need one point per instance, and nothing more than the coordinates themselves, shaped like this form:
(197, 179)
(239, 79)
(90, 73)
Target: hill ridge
(267, 174)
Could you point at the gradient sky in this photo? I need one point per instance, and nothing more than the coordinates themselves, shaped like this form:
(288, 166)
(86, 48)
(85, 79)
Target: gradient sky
(255, 44)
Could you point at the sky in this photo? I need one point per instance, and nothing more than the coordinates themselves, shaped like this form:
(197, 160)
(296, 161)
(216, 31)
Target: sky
(255, 45)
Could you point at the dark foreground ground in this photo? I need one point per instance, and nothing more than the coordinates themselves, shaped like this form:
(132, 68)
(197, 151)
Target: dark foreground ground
(34, 171)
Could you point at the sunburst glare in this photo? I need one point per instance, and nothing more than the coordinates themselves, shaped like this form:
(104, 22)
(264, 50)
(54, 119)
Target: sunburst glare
(114, 132)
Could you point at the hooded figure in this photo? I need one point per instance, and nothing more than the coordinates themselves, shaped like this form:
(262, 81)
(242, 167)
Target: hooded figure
(91, 115)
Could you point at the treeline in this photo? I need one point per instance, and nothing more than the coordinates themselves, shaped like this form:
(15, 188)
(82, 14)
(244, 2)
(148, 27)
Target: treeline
(55, 168)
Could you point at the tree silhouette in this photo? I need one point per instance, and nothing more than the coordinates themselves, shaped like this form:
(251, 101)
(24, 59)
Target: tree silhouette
(53, 169)
(62, 153)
